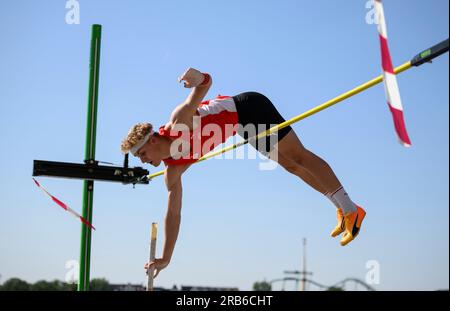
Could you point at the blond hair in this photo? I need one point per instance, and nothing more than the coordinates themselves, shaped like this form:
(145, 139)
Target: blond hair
(135, 135)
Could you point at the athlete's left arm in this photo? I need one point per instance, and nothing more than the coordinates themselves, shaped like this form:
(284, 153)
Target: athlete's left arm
(200, 84)
(198, 92)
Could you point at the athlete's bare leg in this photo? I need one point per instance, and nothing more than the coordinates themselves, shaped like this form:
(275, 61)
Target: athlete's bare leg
(305, 164)
(293, 168)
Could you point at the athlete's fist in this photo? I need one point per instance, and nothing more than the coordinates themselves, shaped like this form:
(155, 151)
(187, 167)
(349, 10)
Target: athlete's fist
(192, 78)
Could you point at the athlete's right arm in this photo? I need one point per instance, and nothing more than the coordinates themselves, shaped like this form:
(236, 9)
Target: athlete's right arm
(173, 216)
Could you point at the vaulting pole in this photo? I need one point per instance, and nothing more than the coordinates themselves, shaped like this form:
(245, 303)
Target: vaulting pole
(91, 129)
(424, 57)
(151, 272)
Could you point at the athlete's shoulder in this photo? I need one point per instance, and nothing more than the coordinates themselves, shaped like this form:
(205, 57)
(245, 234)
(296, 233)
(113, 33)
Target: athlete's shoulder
(208, 101)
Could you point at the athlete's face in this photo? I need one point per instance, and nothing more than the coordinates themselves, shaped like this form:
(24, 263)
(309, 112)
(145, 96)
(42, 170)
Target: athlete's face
(150, 153)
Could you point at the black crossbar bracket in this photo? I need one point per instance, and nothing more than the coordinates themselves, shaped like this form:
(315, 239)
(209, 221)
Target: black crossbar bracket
(431, 53)
(91, 170)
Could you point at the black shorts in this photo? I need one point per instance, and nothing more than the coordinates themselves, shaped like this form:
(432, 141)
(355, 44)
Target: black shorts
(257, 111)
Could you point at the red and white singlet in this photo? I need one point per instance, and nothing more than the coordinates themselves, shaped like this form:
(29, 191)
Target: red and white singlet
(218, 121)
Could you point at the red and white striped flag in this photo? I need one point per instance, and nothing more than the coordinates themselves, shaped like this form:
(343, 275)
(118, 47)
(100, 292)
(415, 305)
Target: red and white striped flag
(64, 206)
(390, 80)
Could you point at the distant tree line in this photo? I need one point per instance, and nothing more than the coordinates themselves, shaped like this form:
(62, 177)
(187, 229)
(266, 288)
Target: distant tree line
(16, 284)
(262, 286)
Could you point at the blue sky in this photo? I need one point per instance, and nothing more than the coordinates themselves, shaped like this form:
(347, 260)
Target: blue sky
(239, 224)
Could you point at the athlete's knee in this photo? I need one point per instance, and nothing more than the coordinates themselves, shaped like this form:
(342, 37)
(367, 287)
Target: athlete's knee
(300, 156)
(290, 166)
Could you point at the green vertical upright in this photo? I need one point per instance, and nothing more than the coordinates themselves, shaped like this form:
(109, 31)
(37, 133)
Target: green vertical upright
(91, 129)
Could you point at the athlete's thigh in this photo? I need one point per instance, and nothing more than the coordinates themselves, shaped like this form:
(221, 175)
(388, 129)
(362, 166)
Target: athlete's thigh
(284, 162)
(289, 147)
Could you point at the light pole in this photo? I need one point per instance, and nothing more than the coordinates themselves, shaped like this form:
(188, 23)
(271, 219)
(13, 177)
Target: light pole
(302, 273)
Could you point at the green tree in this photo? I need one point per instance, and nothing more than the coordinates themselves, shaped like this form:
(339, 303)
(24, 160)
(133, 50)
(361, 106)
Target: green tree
(335, 289)
(99, 285)
(48, 286)
(15, 284)
(262, 286)
(43, 286)
(70, 287)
